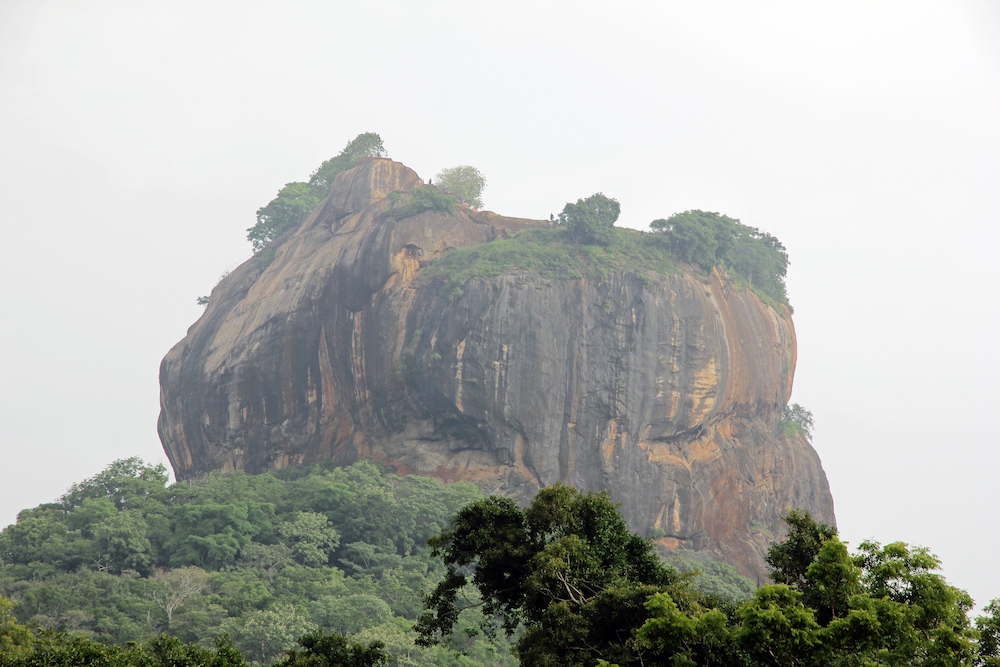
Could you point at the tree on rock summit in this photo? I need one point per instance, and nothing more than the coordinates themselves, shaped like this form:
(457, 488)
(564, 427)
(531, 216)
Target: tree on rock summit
(591, 220)
(464, 183)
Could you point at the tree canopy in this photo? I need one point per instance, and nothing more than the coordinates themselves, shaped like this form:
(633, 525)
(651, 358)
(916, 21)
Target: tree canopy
(591, 220)
(711, 239)
(566, 568)
(333, 650)
(464, 183)
(318, 649)
(883, 605)
(583, 591)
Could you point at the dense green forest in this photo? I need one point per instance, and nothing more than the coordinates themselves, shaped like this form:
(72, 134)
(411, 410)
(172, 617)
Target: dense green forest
(282, 567)
(263, 558)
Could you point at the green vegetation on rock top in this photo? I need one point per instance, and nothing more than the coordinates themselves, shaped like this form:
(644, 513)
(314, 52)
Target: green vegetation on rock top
(586, 244)
(421, 198)
(754, 258)
(465, 183)
(551, 253)
(591, 220)
(585, 248)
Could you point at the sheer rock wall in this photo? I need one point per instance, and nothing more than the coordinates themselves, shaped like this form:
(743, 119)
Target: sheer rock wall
(661, 390)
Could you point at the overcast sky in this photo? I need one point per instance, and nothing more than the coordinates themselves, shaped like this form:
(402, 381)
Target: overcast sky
(137, 140)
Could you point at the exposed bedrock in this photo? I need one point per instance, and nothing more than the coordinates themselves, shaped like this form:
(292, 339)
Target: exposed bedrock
(660, 389)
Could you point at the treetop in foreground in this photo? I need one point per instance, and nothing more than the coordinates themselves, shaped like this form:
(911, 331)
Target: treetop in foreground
(584, 592)
(567, 568)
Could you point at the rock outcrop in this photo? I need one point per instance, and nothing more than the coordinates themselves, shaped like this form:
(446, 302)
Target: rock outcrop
(663, 390)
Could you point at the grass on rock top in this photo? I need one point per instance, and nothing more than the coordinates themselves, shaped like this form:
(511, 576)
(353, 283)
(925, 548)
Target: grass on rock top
(551, 254)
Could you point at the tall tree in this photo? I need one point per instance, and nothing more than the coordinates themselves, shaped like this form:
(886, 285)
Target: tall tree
(16, 640)
(125, 482)
(791, 558)
(884, 605)
(310, 536)
(263, 636)
(176, 586)
(567, 568)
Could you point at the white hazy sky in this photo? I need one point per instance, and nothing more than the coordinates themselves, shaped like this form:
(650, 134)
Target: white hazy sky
(137, 140)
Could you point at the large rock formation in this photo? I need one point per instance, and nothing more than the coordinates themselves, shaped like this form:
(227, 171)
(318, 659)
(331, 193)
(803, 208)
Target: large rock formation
(663, 390)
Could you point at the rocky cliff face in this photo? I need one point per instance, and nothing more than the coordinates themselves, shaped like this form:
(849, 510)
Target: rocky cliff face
(665, 392)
